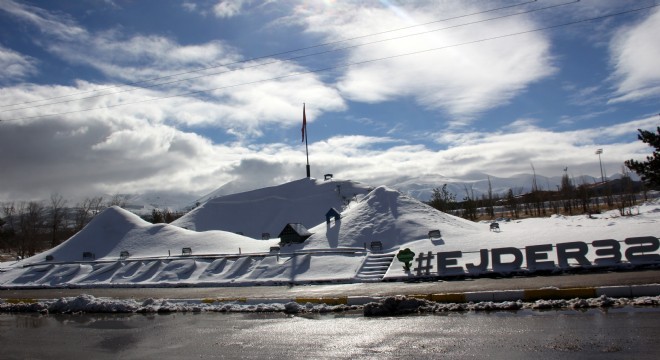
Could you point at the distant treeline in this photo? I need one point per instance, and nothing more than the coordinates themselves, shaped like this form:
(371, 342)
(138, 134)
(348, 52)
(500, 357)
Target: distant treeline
(27, 228)
(567, 199)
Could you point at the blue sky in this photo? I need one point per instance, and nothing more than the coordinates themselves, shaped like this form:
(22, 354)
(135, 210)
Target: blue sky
(443, 90)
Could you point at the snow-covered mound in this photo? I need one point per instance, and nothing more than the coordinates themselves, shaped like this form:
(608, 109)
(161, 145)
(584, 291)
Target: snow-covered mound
(268, 210)
(390, 217)
(338, 251)
(116, 230)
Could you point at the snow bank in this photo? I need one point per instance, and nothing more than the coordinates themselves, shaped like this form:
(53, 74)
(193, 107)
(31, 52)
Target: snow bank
(401, 305)
(90, 304)
(394, 305)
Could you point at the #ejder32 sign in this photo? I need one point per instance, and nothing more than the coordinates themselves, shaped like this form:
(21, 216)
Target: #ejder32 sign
(607, 252)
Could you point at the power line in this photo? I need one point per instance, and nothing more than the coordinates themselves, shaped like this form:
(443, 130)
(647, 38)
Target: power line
(243, 61)
(296, 57)
(348, 64)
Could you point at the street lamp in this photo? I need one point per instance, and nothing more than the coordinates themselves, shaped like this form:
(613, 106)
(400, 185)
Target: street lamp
(598, 152)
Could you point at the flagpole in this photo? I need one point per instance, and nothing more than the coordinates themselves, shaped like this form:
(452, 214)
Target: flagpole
(306, 136)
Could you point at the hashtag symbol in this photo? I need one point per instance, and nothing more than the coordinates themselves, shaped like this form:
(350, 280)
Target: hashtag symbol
(424, 264)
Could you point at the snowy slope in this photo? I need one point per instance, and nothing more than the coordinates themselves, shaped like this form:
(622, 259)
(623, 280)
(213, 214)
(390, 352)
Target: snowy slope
(116, 230)
(268, 210)
(390, 217)
(338, 251)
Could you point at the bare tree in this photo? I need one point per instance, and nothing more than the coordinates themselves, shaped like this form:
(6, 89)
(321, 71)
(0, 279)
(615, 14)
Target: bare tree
(117, 200)
(536, 194)
(86, 210)
(511, 204)
(567, 193)
(490, 209)
(469, 204)
(9, 213)
(9, 227)
(157, 216)
(97, 205)
(626, 199)
(584, 193)
(30, 219)
(442, 199)
(57, 215)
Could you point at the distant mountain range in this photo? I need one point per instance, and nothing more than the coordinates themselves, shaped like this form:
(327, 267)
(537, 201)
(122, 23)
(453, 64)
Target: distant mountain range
(420, 187)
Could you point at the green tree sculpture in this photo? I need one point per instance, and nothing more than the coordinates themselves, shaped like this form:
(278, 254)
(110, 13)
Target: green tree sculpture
(406, 256)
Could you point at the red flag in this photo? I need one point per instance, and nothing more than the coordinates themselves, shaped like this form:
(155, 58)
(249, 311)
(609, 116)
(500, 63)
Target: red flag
(304, 125)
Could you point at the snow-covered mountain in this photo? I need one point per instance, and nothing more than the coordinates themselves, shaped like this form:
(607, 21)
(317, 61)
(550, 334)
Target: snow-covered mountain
(476, 184)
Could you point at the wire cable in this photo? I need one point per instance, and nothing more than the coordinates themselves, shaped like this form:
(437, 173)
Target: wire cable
(245, 61)
(294, 57)
(346, 65)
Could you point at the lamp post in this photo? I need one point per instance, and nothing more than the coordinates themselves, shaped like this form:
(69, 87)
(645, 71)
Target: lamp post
(598, 152)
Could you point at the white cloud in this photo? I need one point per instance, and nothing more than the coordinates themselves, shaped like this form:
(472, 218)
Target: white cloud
(59, 25)
(213, 97)
(462, 80)
(113, 153)
(15, 66)
(107, 155)
(141, 147)
(189, 6)
(635, 51)
(138, 57)
(228, 8)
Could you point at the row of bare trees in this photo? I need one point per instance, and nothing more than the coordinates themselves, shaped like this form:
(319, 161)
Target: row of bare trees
(27, 227)
(569, 199)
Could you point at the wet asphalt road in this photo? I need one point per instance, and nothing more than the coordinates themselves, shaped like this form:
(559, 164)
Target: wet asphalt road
(571, 334)
(591, 279)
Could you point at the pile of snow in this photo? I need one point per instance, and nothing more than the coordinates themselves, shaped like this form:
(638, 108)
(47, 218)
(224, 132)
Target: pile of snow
(388, 306)
(116, 230)
(268, 210)
(338, 251)
(390, 217)
(401, 305)
(89, 304)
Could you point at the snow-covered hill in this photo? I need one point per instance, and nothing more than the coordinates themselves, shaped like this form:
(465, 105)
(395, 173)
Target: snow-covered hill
(116, 230)
(268, 210)
(390, 217)
(119, 249)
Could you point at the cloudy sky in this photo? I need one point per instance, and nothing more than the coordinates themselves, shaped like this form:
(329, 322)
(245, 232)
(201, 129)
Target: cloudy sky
(123, 96)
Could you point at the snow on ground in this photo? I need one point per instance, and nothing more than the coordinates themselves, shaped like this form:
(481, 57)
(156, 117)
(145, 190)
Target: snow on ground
(552, 230)
(388, 306)
(390, 217)
(339, 251)
(117, 230)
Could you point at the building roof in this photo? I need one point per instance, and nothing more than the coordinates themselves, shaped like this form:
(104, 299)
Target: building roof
(332, 212)
(298, 228)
